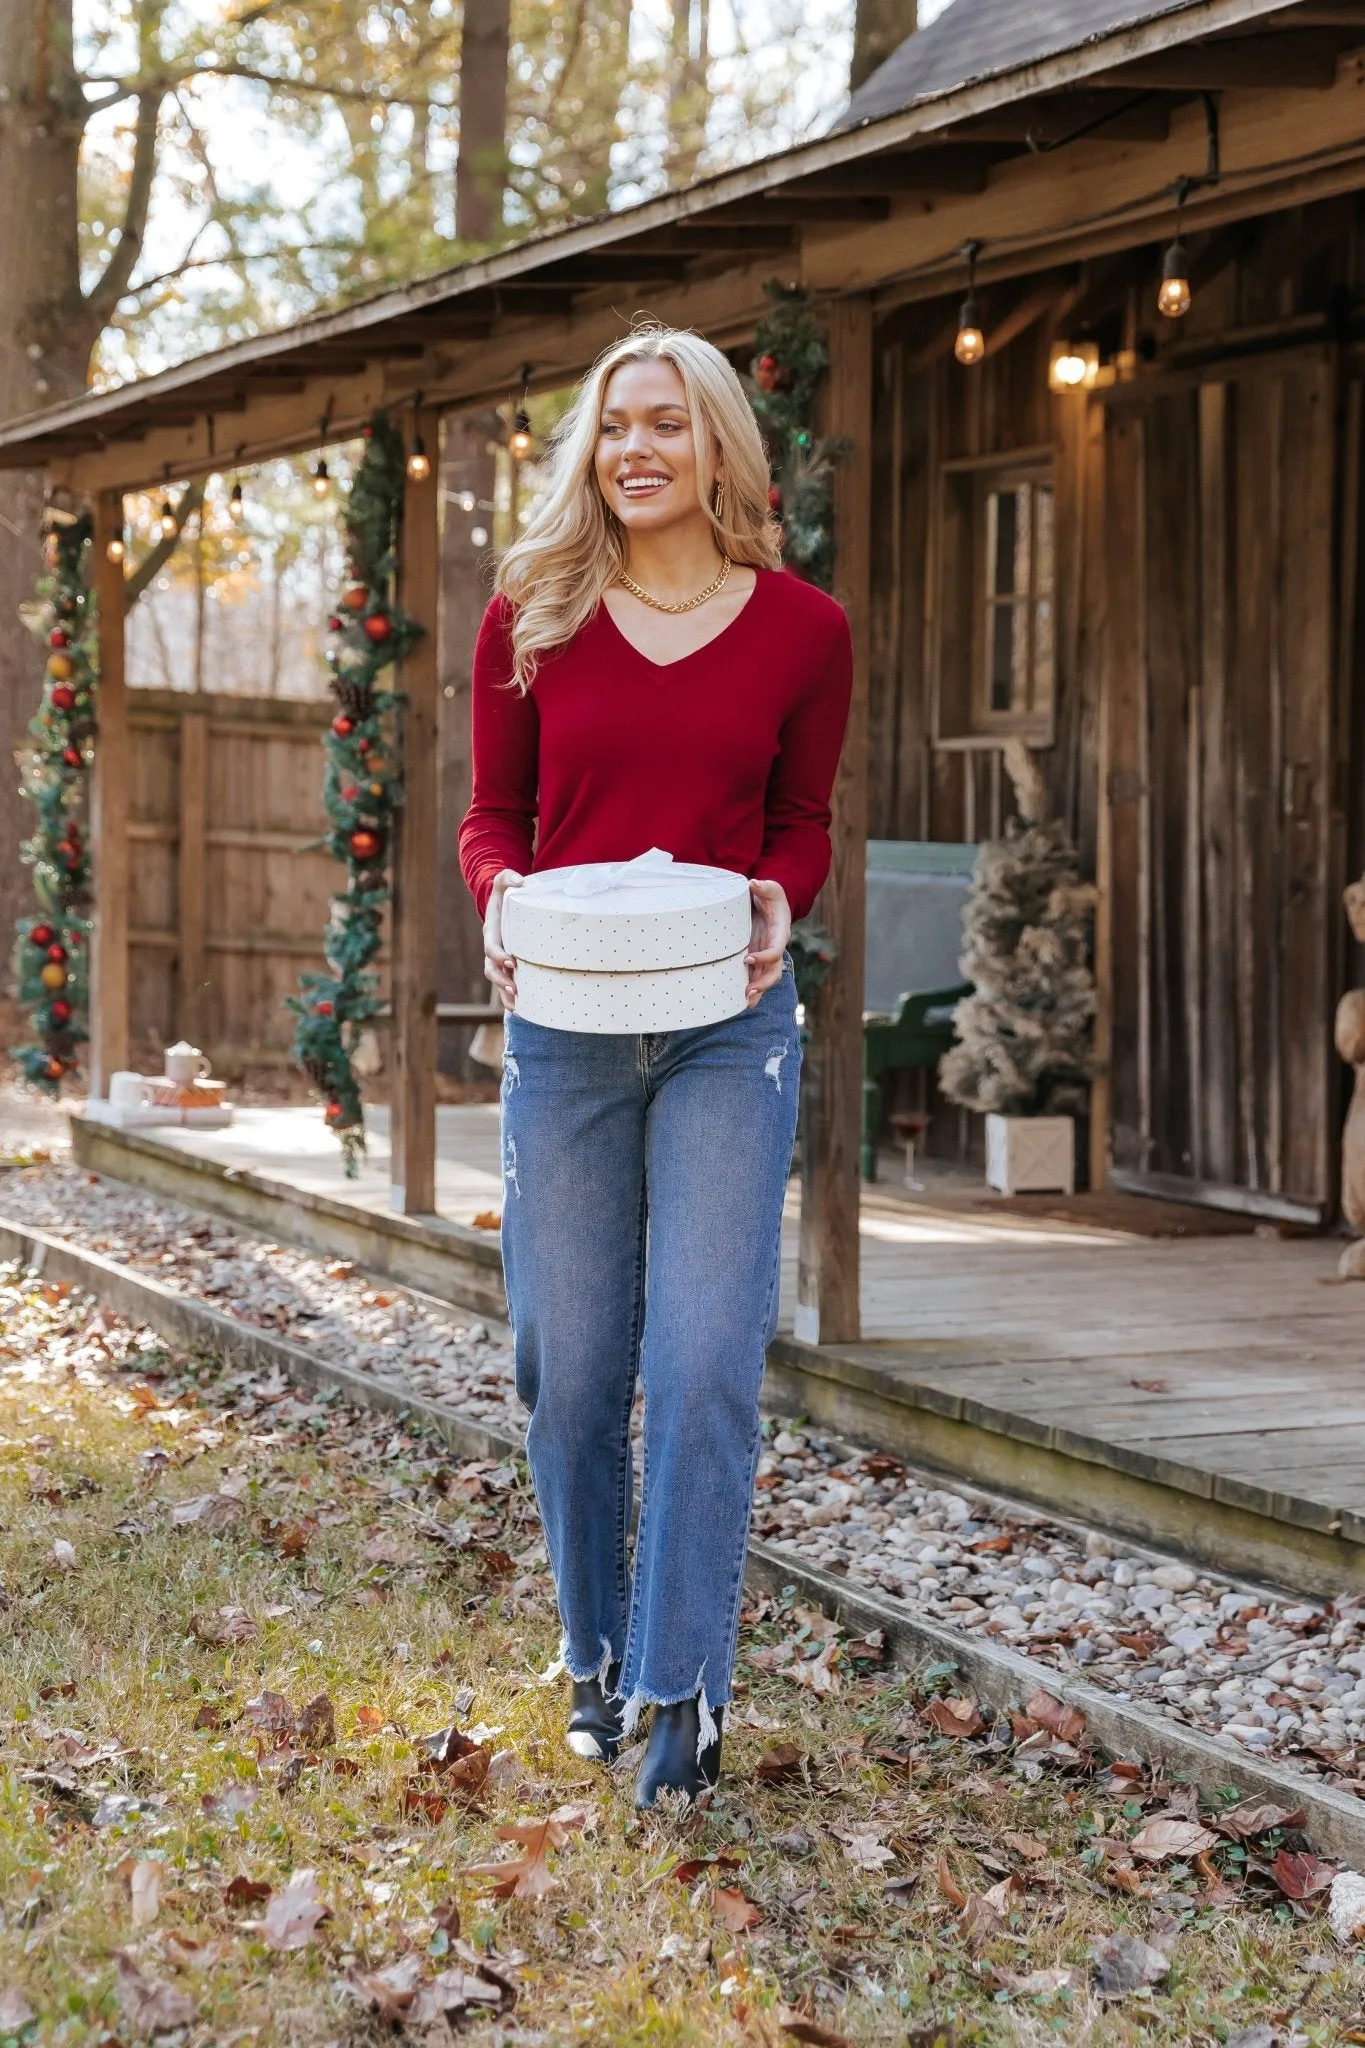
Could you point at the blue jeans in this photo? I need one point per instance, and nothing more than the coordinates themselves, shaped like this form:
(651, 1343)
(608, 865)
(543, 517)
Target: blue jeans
(642, 1207)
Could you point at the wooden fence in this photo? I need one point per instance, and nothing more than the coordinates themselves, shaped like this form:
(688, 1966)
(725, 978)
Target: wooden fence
(225, 908)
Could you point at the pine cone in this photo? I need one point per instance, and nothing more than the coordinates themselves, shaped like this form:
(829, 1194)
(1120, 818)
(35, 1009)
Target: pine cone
(355, 699)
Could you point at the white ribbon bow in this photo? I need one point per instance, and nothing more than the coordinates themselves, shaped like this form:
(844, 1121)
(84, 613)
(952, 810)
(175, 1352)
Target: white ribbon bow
(597, 877)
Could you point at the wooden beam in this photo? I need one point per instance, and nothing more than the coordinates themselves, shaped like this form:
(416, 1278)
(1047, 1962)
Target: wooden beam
(937, 169)
(109, 990)
(192, 864)
(786, 208)
(1286, 61)
(827, 1310)
(1135, 115)
(412, 1092)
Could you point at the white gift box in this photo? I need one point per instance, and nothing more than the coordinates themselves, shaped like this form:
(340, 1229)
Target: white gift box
(1031, 1154)
(651, 944)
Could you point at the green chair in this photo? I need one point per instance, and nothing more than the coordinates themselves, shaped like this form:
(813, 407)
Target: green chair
(916, 891)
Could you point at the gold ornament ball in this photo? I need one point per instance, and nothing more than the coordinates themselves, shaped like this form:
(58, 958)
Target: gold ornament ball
(53, 975)
(376, 789)
(59, 667)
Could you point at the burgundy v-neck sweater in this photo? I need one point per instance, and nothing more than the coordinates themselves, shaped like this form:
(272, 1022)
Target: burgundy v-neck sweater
(726, 757)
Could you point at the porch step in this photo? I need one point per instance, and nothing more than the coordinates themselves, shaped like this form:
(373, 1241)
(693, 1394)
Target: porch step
(913, 1400)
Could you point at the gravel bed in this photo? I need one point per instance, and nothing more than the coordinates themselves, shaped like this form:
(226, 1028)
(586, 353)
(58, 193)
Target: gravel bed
(1275, 1676)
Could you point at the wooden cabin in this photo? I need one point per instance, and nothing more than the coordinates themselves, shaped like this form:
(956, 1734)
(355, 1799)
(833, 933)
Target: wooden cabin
(1149, 573)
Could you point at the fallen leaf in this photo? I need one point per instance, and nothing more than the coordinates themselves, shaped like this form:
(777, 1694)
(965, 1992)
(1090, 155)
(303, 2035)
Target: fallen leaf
(818, 1674)
(1300, 1875)
(980, 1922)
(228, 1625)
(488, 1219)
(246, 1891)
(188, 1953)
(1027, 1846)
(293, 1915)
(212, 1512)
(868, 1649)
(209, 1716)
(799, 2027)
(1163, 1838)
(864, 1847)
(780, 1760)
(420, 1803)
(455, 1990)
(15, 2010)
(144, 1890)
(948, 1884)
(1066, 1723)
(60, 1688)
(368, 1717)
(960, 1717)
(733, 1910)
(1038, 1983)
(148, 2006)
(235, 1799)
(386, 1548)
(1252, 1817)
(1125, 1964)
(317, 1725)
(1003, 1897)
(272, 1714)
(297, 1537)
(526, 1876)
(692, 1866)
(390, 1992)
(1151, 1386)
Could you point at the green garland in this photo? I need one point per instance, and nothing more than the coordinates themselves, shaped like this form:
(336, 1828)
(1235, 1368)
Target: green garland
(362, 788)
(790, 365)
(53, 948)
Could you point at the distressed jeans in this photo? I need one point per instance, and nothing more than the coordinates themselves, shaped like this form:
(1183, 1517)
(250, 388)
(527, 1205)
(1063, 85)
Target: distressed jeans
(642, 1205)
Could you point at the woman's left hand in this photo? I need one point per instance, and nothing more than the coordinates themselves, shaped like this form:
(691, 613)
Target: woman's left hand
(768, 942)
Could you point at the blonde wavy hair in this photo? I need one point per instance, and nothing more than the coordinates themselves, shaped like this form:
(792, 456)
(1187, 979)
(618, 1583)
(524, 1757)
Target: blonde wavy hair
(554, 574)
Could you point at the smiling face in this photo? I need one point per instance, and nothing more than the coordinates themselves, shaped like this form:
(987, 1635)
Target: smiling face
(648, 459)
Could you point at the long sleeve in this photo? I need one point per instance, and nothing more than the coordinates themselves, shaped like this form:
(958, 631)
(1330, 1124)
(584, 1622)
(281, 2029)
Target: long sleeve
(796, 850)
(499, 828)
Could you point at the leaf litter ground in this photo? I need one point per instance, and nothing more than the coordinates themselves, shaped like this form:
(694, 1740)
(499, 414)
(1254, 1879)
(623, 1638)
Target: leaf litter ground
(282, 1764)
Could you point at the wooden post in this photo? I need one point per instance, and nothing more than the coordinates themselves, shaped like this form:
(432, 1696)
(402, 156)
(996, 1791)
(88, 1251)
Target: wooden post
(193, 876)
(109, 990)
(412, 1097)
(827, 1310)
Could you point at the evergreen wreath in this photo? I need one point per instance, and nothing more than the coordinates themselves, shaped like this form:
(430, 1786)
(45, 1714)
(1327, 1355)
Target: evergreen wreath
(789, 367)
(362, 787)
(53, 948)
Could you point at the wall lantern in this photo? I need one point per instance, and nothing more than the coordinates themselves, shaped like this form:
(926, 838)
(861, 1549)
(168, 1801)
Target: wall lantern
(1073, 366)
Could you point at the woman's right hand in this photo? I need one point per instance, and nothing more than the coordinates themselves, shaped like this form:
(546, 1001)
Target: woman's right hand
(498, 965)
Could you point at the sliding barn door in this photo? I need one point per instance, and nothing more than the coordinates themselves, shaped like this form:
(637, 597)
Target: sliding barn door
(1220, 639)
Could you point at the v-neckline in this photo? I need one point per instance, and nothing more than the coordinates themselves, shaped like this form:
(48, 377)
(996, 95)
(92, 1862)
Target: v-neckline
(692, 652)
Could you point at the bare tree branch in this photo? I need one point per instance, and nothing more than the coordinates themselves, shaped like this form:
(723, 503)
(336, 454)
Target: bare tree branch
(114, 279)
(191, 500)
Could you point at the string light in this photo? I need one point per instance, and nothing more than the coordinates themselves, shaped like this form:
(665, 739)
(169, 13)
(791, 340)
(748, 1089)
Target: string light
(236, 506)
(321, 478)
(167, 520)
(970, 345)
(116, 548)
(466, 501)
(1175, 298)
(419, 462)
(1074, 366)
(521, 442)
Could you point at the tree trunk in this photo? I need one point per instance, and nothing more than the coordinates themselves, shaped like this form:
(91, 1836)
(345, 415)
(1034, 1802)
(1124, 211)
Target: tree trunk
(689, 97)
(45, 341)
(481, 169)
(468, 466)
(879, 27)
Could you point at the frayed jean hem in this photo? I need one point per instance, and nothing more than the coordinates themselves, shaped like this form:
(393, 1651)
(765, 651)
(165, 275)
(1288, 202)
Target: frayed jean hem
(640, 1699)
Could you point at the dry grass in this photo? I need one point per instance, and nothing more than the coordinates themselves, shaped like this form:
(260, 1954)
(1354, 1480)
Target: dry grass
(342, 1541)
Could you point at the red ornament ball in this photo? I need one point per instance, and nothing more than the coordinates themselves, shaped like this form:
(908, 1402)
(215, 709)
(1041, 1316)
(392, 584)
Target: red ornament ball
(377, 627)
(355, 598)
(333, 1113)
(334, 624)
(350, 793)
(774, 498)
(54, 1069)
(42, 935)
(72, 757)
(343, 726)
(59, 637)
(363, 746)
(324, 1009)
(364, 844)
(63, 697)
(56, 951)
(768, 371)
(59, 1012)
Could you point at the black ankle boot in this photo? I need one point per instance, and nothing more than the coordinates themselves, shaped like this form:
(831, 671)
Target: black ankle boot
(671, 1762)
(594, 1729)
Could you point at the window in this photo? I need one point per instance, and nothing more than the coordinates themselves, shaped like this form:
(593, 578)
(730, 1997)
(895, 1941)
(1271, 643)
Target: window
(997, 603)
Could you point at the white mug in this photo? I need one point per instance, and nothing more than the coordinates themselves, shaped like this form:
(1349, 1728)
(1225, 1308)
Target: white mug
(185, 1063)
(129, 1091)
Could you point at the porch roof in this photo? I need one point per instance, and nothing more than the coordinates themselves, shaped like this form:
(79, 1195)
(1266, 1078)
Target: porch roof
(941, 150)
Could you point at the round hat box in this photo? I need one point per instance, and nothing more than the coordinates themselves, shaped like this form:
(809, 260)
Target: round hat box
(651, 944)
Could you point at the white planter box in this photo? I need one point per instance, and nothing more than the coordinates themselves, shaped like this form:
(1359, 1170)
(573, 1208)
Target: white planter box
(1031, 1154)
(646, 945)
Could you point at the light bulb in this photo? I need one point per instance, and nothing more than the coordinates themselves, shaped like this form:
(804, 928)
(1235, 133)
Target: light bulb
(1175, 297)
(1071, 370)
(116, 549)
(1073, 365)
(321, 480)
(167, 519)
(522, 441)
(419, 462)
(479, 536)
(970, 345)
(236, 508)
(466, 501)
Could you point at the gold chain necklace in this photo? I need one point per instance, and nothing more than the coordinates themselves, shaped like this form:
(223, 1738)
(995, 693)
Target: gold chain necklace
(688, 604)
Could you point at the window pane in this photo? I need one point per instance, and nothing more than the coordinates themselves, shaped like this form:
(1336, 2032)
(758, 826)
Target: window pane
(1008, 541)
(1007, 649)
(1042, 656)
(1042, 565)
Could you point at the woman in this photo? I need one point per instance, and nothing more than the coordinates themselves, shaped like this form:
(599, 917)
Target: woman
(644, 677)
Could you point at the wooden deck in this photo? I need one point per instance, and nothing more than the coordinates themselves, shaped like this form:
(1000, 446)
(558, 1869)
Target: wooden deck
(1207, 1390)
